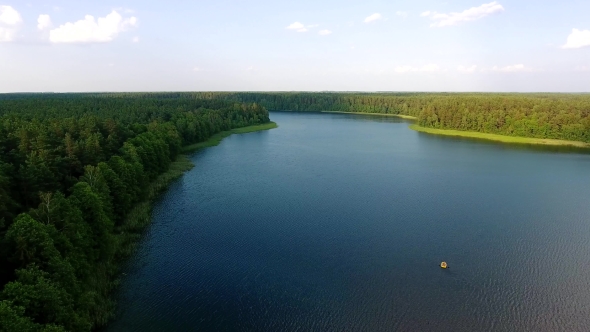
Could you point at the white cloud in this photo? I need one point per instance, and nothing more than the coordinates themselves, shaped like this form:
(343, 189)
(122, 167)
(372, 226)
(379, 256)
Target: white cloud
(297, 26)
(511, 69)
(9, 16)
(578, 39)
(429, 68)
(401, 14)
(135, 39)
(469, 70)
(197, 69)
(471, 14)
(506, 69)
(325, 32)
(43, 22)
(10, 21)
(404, 69)
(125, 10)
(373, 18)
(89, 30)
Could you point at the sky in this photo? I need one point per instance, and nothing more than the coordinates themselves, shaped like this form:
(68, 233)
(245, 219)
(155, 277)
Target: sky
(305, 45)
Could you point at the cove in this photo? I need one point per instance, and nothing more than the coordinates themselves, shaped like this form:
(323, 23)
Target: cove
(338, 222)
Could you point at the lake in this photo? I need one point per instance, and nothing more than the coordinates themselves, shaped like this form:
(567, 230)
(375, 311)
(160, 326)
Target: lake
(338, 222)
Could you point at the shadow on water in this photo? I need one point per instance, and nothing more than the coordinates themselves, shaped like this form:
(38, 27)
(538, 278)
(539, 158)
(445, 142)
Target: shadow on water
(371, 117)
(386, 118)
(374, 118)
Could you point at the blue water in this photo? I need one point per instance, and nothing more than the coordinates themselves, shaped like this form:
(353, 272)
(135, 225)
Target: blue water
(337, 222)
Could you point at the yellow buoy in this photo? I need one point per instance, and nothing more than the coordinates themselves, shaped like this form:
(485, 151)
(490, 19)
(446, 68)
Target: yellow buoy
(443, 265)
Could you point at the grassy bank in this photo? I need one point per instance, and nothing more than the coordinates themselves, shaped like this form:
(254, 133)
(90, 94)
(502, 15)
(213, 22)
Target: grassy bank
(499, 138)
(216, 139)
(127, 235)
(139, 217)
(407, 117)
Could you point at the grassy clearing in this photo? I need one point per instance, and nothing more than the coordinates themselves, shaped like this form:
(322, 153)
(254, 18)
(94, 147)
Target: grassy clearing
(407, 117)
(216, 139)
(499, 138)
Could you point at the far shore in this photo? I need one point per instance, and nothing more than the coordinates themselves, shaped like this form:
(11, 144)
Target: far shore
(407, 117)
(499, 138)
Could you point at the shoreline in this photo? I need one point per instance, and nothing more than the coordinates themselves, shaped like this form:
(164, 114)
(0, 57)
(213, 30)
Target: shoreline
(140, 215)
(499, 138)
(407, 117)
(128, 235)
(216, 139)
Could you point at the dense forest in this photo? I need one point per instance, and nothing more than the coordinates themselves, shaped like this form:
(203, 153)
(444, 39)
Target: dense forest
(72, 167)
(555, 116)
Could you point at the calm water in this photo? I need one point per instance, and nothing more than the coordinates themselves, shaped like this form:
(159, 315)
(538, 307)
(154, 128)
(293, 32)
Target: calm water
(336, 222)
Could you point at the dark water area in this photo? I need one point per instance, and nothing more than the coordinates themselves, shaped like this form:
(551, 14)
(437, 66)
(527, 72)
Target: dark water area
(337, 222)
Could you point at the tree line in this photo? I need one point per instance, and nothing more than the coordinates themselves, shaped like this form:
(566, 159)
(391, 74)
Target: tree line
(72, 166)
(538, 115)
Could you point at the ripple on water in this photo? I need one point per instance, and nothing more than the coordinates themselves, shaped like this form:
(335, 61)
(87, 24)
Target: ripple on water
(339, 223)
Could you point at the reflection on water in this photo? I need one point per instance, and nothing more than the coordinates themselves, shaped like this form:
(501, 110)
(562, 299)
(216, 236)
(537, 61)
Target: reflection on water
(338, 222)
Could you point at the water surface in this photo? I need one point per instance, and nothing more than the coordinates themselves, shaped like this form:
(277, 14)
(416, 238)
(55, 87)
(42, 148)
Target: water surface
(337, 222)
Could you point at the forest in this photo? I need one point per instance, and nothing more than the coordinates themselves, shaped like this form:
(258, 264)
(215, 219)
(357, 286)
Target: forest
(537, 115)
(72, 168)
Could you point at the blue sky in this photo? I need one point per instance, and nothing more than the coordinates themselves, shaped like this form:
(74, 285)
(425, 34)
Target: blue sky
(261, 45)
